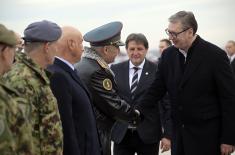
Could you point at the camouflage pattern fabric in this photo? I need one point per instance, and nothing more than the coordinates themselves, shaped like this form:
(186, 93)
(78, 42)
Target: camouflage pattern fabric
(15, 135)
(32, 83)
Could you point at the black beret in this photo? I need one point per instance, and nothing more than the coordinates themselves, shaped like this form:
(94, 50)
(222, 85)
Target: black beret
(108, 34)
(42, 31)
(7, 37)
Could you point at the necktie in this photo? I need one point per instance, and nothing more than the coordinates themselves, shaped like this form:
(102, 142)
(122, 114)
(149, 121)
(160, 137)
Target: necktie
(134, 81)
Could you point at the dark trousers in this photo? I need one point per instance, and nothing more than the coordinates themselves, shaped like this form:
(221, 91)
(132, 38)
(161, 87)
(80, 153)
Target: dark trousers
(132, 144)
(105, 140)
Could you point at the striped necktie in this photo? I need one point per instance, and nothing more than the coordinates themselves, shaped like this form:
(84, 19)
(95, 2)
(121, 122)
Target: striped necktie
(134, 81)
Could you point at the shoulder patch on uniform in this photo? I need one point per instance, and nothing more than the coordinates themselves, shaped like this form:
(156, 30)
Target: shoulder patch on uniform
(102, 63)
(2, 126)
(107, 84)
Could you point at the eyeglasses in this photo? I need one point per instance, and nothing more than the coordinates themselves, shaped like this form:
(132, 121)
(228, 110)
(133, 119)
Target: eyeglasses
(175, 34)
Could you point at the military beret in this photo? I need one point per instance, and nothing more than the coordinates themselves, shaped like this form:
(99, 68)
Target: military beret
(7, 37)
(108, 34)
(42, 31)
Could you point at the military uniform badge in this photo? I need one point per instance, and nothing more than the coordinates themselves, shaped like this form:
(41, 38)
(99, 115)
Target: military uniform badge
(107, 84)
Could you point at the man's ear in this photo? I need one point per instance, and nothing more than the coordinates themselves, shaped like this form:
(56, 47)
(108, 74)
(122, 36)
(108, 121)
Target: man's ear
(3, 53)
(191, 31)
(106, 50)
(46, 46)
(71, 44)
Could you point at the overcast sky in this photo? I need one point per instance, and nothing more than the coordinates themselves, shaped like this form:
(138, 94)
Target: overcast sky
(215, 17)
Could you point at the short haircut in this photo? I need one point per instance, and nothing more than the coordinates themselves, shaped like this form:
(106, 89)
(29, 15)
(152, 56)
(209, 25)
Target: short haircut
(30, 46)
(138, 38)
(186, 18)
(167, 41)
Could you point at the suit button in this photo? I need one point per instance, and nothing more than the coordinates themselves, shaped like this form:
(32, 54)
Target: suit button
(182, 125)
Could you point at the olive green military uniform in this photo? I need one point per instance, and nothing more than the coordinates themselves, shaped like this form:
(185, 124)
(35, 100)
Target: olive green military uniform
(15, 135)
(33, 84)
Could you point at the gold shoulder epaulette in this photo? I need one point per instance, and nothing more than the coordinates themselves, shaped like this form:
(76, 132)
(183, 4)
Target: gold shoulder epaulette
(102, 63)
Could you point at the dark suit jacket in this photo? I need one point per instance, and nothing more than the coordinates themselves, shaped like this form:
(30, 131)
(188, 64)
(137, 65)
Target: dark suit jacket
(205, 91)
(79, 126)
(233, 66)
(149, 129)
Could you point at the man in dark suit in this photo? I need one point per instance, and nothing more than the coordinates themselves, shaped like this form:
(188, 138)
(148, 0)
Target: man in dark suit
(79, 126)
(143, 139)
(230, 49)
(201, 86)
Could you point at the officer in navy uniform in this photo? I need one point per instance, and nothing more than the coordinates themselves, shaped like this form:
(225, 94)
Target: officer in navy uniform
(95, 72)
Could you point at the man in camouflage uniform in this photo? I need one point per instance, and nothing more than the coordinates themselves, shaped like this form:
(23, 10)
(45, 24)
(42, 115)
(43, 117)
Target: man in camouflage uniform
(30, 79)
(15, 136)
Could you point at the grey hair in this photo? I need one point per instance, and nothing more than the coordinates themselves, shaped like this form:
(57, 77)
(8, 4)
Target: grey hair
(232, 41)
(186, 18)
(31, 46)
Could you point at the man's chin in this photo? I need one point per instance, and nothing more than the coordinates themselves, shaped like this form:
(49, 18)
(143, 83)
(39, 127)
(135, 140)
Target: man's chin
(136, 62)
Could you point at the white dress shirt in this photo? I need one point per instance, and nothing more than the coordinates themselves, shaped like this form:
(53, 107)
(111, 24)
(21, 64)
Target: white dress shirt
(132, 70)
(66, 62)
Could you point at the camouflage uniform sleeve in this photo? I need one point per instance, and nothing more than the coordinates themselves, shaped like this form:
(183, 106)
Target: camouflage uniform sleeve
(44, 116)
(51, 128)
(23, 129)
(7, 141)
(27, 93)
(17, 123)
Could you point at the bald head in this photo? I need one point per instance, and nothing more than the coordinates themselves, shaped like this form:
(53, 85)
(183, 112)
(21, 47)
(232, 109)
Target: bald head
(70, 45)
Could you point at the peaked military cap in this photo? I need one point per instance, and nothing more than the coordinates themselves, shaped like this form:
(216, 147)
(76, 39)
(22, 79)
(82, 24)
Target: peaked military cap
(7, 37)
(42, 31)
(108, 34)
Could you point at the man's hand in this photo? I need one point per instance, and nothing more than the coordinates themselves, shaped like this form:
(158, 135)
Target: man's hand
(135, 122)
(226, 149)
(165, 144)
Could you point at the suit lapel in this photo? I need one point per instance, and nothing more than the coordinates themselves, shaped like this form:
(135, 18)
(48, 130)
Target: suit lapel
(72, 73)
(125, 76)
(193, 63)
(144, 76)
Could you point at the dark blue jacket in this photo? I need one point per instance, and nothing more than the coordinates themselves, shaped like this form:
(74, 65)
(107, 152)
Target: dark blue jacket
(78, 120)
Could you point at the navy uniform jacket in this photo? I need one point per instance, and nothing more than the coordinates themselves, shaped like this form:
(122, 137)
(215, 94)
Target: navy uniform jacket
(78, 120)
(149, 129)
(202, 97)
(108, 105)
